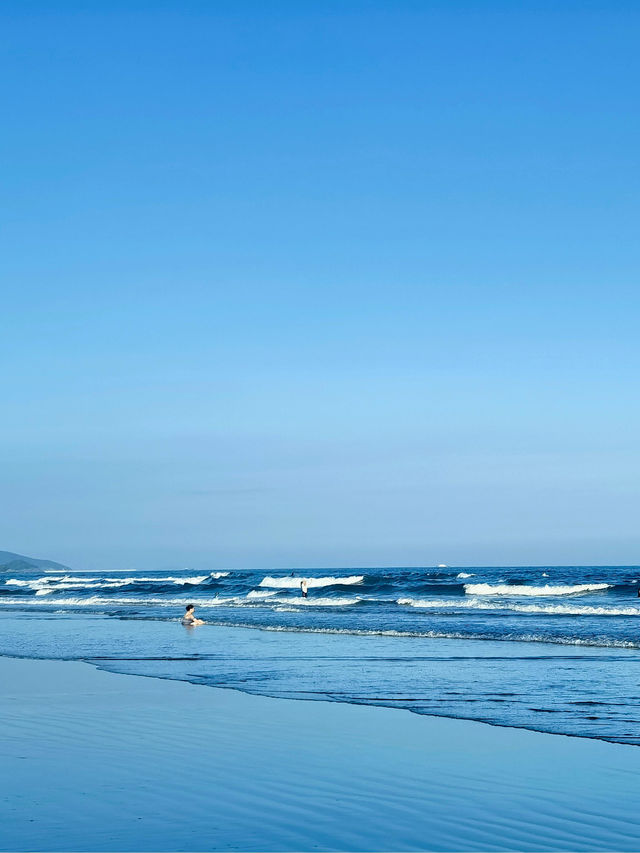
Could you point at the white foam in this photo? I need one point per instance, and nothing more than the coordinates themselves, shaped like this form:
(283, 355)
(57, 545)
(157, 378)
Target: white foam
(93, 600)
(433, 603)
(577, 610)
(234, 601)
(76, 585)
(179, 581)
(317, 602)
(452, 635)
(43, 583)
(64, 582)
(479, 604)
(465, 575)
(294, 583)
(548, 589)
(261, 593)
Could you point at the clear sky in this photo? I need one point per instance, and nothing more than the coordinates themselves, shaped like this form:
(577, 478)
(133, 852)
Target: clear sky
(320, 283)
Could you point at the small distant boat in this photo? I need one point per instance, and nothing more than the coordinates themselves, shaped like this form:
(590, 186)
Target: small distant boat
(442, 565)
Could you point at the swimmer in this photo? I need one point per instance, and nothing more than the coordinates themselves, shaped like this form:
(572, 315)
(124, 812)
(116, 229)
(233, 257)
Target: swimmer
(304, 588)
(190, 618)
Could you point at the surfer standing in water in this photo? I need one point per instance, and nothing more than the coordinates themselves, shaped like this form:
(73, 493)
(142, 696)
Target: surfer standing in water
(304, 588)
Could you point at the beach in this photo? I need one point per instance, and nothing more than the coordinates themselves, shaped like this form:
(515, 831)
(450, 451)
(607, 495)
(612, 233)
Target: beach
(552, 649)
(100, 761)
(319, 446)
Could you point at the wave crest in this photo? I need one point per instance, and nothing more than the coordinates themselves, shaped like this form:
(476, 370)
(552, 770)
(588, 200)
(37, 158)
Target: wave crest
(547, 589)
(294, 582)
(559, 609)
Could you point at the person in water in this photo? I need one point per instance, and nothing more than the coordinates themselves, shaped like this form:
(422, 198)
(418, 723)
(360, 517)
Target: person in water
(304, 588)
(190, 617)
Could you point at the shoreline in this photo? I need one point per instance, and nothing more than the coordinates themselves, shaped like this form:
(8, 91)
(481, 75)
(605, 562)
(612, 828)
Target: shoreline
(105, 761)
(199, 646)
(387, 707)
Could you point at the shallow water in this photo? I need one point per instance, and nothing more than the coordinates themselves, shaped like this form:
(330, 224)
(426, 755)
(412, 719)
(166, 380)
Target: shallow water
(100, 762)
(553, 649)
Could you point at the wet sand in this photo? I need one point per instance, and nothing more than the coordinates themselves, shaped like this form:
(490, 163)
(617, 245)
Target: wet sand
(97, 761)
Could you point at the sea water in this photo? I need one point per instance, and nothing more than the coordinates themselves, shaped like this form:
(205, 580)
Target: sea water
(555, 649)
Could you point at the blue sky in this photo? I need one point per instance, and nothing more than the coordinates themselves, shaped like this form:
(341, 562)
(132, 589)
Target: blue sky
(320, 284)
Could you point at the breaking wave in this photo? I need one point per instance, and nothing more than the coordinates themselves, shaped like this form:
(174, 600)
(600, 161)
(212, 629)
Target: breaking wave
(560, 609)
(427, 621)
(55, 583)
(294, 582)
(547, 589)
(252, 599)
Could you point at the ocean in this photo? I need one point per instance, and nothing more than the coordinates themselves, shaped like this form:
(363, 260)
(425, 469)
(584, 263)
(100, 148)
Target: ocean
(554, 649)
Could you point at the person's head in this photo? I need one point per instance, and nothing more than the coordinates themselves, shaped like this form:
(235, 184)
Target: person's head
(189, 608)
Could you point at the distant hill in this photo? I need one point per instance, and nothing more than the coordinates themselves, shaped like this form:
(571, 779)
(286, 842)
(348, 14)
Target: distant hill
(10, 562)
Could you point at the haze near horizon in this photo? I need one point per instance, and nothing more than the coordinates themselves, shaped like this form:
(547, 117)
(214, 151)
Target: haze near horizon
(323, 285)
